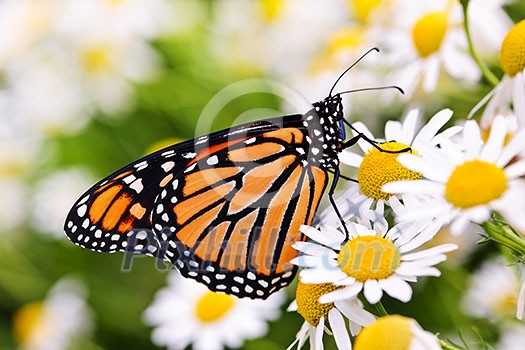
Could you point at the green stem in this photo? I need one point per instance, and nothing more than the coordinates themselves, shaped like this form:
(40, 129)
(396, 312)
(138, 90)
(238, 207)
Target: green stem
(381, 309)
(446, 346)
(505, 235)
(487, 73)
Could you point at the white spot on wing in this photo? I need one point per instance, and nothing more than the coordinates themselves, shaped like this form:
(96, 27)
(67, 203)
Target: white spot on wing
(168, 166)
(213, 160)
(137, 185)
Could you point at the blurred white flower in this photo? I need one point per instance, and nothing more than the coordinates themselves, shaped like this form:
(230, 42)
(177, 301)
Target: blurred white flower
(468, 182)
(53, 197)
(186, 312)
(492, 291)
(487, 39)
(22, 24)
(56, 322)
(13, 203)
(426, 39)
(72, 57)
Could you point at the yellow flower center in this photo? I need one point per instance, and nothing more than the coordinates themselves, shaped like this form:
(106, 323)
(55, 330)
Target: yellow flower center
(270, 10)
(428, 33)
(362, 8)
(379, 168)
(506, 304)
(96, 59)
(213, 306)
(369, 258)
(386, 333)
(308, 305)
(512, 53)
(474, 183)
(26, 321)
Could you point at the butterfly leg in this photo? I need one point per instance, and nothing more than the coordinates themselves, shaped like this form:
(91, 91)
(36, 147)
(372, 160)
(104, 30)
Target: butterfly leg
(374, 143)
(343, 176)
(334, 205)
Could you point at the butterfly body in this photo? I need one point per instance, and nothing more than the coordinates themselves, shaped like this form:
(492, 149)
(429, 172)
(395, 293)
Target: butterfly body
(225, 208)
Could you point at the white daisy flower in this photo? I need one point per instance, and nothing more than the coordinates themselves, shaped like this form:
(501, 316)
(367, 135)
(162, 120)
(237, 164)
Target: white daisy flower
(492, 291)
(511, 89)
(468, 183)
(372, 261)
(13, 203)
(52, 199)
(317, 316)
(428, 38)
(206, 319)
(366, 200)
(396, 332)
(58, 321)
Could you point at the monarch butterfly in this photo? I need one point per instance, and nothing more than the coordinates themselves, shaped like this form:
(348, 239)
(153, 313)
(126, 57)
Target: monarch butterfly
(224, 208)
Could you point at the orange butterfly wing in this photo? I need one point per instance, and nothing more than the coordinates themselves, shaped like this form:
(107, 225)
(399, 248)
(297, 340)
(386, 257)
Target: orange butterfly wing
(232, 220)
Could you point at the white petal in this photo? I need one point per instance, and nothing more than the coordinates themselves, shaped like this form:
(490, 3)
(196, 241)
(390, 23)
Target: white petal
(393, 131)
(350, 158)
(432, 127)
(319, 331)
(338, 325)
(314, 249)
(515, 170)
(321, 275)
(372, 291)
(306, 261)
(430, 79)
(292, 306)
(440, 249)
(494, 145)
(414, 186)
(340, 294)
(472, 139)
(518, 94)
(417, 271)
(515, 146)
(328, 236)
(410, 123)
(424, 236)
(354, 312)
(397, 288)
(364, 145)
(521, 302)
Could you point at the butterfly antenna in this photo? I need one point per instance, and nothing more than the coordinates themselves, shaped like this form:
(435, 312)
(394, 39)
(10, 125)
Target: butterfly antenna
(373, 88)
(352, 66)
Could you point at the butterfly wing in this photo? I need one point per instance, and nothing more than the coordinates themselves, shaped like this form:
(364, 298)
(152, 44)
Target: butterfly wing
(224, 208)
(231, 220)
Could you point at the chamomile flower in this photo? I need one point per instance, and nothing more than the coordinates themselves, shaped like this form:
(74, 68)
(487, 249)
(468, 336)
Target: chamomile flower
(53, 196)
(470, 181)
(511, 89)
(426, 40)
(492, 291)
(366, 199)
(317, 316)
(396, 332)
(58, 321)
(186, 312)
(372, 261)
